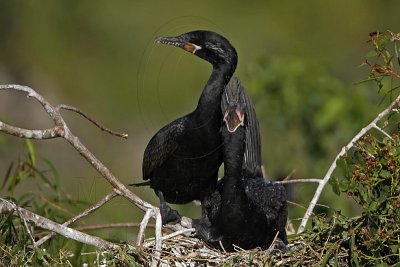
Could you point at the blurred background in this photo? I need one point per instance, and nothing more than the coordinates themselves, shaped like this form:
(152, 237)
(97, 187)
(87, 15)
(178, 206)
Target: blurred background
(298, 61)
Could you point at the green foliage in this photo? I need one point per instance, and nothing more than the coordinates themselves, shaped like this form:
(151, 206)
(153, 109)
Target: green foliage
(47, 198)
(303, 109)
(371, 173)
(371, 176)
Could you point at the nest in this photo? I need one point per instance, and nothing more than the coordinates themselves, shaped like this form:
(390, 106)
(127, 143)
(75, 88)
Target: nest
(189, 251)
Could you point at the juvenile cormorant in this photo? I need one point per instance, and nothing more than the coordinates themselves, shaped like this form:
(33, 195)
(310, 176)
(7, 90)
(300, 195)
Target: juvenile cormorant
(182, 159)
(246, 210)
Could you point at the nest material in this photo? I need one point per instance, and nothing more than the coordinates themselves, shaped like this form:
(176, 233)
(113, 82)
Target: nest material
(189, 251)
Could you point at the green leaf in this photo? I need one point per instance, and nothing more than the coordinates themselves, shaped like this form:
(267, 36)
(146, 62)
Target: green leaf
(385, 174)
(40, 253)
(372, 53)
(57, 185)
(334, 182)
(31, 149)
(327, 256)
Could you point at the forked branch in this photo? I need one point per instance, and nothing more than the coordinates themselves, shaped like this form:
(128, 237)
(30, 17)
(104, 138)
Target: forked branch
(7, 207)
(61, 129)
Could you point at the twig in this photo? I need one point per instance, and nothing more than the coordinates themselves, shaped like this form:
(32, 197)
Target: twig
(80, 215)
(263, 171)
(328, 175)
(382, 131)
(142, 228)
(273, 241)
(311, 180)
(26, 227)
(88, 228)
(29, 134)
(290, 175)
(181, 232)
(7, 207)
(74, 109)
(109, 226)
(171, 235)
(157, 253)
(222, 246)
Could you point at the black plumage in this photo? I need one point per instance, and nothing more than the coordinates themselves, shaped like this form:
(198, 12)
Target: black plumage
(182, 159)
(246, 210)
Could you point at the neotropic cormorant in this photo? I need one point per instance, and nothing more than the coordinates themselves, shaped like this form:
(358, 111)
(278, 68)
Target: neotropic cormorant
(182, 159)
(246, 210)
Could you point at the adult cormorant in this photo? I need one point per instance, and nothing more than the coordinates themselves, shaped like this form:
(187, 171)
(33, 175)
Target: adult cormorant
(182, 159)
(246, 210)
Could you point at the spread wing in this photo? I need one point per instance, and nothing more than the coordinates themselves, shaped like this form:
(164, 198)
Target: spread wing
(252, 155)
(161, 146)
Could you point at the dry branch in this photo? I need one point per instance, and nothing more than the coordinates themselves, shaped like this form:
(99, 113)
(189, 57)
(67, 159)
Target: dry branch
(74, 109)
(61, 129)
(7, 207)
(80, 215)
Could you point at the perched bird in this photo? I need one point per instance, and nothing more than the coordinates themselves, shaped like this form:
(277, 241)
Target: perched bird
(246, 210)
(182, 159)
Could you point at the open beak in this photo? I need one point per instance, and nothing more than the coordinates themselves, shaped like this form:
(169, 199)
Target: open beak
(234, 119)
(178, 42)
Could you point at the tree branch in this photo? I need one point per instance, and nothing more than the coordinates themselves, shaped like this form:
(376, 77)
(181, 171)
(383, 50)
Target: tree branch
(29, 134)
(61, 130)
(66, 107)
(7, 207)
(328, 175)
(310, 180)
(80, 215)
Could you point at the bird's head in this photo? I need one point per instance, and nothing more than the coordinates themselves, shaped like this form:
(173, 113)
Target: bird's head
(207, 45)
(234, 105)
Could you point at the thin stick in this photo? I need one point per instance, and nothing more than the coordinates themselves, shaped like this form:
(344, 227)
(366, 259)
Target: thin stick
(7, 207)
(157, 253)
(171, 235)
(88, 228)
(29, 134)
(84, 213)
(328, 175)
(26, 227)
(142, 228)
(273, 241)
(311, 180)
(74, 109)
(290, 175)
(382, 131)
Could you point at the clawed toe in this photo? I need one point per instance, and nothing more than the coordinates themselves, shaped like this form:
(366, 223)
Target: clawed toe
(206, 232)
(169, 216)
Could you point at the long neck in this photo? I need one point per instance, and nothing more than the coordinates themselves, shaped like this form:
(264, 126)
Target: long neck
(209, 104)
(234, 146)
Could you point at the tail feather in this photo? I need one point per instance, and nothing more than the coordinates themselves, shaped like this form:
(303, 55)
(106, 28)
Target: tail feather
(147, 183)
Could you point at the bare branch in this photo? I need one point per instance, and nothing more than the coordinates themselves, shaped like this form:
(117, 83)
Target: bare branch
(80, 215)
(174, 234)
(66, 107)
(290, 175)
(311, 180)
(63, 131)
(110, 225)
(7, 207)
(142, 228)
(328, 175)
(29, 134)
(382, 131)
